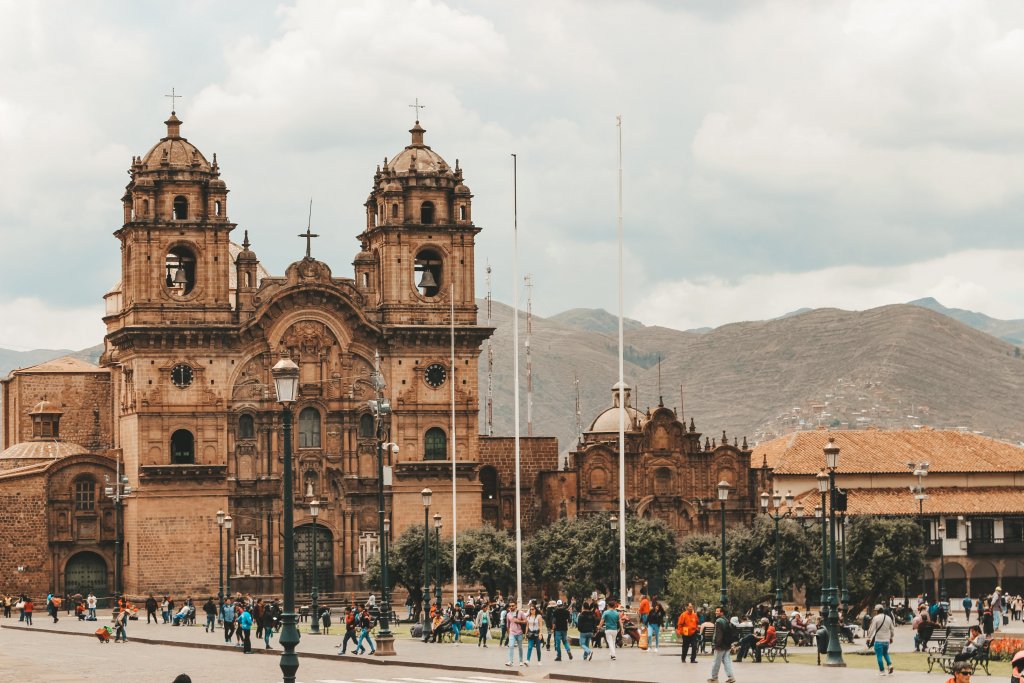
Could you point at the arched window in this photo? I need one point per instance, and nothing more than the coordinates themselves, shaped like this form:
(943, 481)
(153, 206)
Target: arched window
(462, 213)
(394, 210)
(216, 208)
(145, 208)
(183, 449)
(246, 427)
(180, 208)
(489, 482)
(309, 428)
(427, 213)
(366, 426)
(428, 269)
(435, 444)
(180, 264)
(85, 494)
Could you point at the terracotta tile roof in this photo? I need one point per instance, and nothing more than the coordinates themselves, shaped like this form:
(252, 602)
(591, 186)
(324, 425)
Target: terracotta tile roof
(983, 500)
(878, 451)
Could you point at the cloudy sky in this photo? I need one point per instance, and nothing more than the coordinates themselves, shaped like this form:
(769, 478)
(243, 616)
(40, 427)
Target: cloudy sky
(776, 154)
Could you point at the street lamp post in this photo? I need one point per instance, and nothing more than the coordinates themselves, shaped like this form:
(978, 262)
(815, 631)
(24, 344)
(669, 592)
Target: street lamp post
(425, 599)
(613, 523)
(437, 539)
(117, 491)
(220, 556)
(286, 381)
(314, 510)
(777, 503)
(381, 409)
(942, 563)
(835, 650)
(723, 495)
(842, 573)
(228, 523)
(819, 514)
(920, 470)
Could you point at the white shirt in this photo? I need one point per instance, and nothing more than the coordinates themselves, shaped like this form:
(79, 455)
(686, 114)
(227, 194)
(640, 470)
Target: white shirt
(91, 602)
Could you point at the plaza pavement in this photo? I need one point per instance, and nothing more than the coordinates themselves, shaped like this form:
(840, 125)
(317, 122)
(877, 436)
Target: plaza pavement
(67, 651)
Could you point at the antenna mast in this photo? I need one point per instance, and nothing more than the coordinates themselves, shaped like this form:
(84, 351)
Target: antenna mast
(529, 359)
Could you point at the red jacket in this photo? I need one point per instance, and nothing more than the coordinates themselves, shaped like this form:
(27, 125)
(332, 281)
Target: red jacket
(769, 636)
(687, 624)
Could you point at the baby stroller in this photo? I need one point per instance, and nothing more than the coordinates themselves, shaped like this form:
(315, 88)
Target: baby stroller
(103, 634)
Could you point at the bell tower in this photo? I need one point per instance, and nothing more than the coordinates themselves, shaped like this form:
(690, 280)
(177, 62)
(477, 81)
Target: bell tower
(175, 262)
(419, 237)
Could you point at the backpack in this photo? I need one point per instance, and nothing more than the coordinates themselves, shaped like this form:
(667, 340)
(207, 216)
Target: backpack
(732, 633)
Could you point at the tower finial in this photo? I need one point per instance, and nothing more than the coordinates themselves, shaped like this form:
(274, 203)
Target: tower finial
(417, 107)
(174, 96)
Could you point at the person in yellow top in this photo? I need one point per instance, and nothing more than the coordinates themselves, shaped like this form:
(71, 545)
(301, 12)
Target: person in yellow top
(686, 627)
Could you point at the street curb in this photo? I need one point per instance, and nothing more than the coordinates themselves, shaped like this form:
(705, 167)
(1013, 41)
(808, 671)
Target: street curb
(382, 661)
(589, 679)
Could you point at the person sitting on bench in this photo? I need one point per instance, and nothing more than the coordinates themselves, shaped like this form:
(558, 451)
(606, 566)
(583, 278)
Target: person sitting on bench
(973, 647)
(768, 640)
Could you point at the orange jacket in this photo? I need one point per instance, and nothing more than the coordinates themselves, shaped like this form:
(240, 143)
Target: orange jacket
(645, 606)
(687, 624)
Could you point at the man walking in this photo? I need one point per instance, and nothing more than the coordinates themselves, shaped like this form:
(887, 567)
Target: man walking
(560, 617)
(722, 643)
(515, 622)
(350, 631)
(610, 625)
(151, 609)
(686, 628)
(227, 617)
(968, 604)
(586, 623)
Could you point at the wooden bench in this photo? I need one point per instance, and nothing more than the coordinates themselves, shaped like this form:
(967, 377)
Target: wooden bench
(951, 647)
(779, 648)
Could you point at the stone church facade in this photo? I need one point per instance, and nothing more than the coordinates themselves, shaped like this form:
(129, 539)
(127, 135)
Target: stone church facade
(182, 403)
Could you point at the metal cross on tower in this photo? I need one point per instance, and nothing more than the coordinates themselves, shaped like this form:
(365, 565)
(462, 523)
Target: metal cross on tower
(309, 235)
(417, 107)
(174, 96)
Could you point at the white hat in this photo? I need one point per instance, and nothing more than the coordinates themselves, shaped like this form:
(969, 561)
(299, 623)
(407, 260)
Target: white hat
(559, 603)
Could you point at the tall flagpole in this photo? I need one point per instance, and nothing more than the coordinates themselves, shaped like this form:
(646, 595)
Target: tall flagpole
(455, 507)
(622, 399)
(515, 377)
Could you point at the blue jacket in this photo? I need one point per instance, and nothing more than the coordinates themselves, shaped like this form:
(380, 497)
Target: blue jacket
(227, 612)
(245, 621)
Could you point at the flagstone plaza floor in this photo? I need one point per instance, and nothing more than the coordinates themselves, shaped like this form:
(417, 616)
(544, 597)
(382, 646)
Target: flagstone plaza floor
(66, 651)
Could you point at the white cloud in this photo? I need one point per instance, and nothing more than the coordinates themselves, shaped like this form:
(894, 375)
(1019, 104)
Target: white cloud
(29, 323)
(973, 280)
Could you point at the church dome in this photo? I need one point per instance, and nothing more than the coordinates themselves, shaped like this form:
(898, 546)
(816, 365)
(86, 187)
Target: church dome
(418, 157)
(608, 421)
(461, 189)
(175, 151)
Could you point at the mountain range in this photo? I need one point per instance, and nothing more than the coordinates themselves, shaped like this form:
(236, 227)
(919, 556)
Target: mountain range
(898, 366)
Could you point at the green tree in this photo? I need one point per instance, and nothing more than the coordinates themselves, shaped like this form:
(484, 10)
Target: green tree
(488, 556)
(883, 555)
(751, 551)
(582, 554)
(405, 563)
(697, 579)
(701, 544)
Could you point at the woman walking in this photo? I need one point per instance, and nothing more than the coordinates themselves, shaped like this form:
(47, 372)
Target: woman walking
(880, 633)
(533, 624)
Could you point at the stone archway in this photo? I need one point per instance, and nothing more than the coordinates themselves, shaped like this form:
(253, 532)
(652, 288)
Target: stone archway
(984, 578)
(955, 579)
(86, 572)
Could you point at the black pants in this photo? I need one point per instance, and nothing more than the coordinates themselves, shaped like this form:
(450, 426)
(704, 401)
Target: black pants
(246, 644)
(482, 638)
(229, 630)
(350, 634)
(151, 614)
(690, 643)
